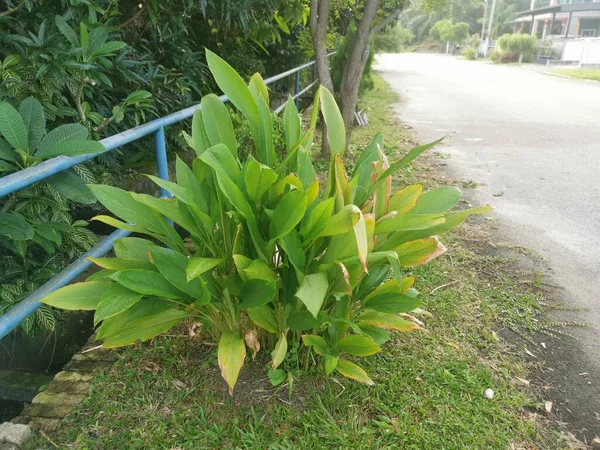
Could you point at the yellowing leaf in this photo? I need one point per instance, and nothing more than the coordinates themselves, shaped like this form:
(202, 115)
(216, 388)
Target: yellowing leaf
(387, 321)
(279, 352)
(353, 371)
(419, 252)
(405, 199)
(231, 355)
(313, 291)
(358, 345)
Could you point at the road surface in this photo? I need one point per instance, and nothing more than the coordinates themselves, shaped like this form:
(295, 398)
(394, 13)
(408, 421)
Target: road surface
(533, 142)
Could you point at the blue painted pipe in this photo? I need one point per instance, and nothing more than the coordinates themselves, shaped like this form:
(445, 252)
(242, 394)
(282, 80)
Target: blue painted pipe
(15, 316)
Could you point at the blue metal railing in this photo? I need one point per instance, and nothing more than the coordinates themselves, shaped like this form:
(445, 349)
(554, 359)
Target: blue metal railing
(23, 178)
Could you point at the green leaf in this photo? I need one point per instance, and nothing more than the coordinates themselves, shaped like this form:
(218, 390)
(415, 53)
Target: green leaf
(6, 151)
(72, 147)
(70, 186)
(292, 124)
(279, 352)
(353, 371)
(393, 303)
(233, 87)
(144, 320)
(123, 205)
(115, 300)
(313, 291)
(292, 246)
(336, 132)
(137, 96)
(67, 31)
(108, 49)
(306, 170)
(33, 116)
(318, 219)
(97, 37)
(258, 87)
(85, 296)
(49, 231)
(256, 292)
(15, 227)
(405, 199)
(147, 282)
(316, 342)
(379, 335)
(264, 134)
(198, 266)
(288, 213)
(122, 263)
(358, 345)
(263, 317)
(12, 127)
(199, 136)
(261, 270)
(304, 320)
(330, 363)
(277, 376)
(408, 158)
(61, 134)
(133, 248)
(343, 221)
(258, 179)
(419, 252)
(222, 161)
(217, 123)
(231, 355)
(172, 265)
(408, 222)
(437, 201)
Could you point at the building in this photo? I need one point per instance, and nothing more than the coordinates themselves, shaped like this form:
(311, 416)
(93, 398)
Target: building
(569, 30)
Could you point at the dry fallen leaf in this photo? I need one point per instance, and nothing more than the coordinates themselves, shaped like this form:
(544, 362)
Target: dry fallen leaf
(523, 380)
(179, 384)
(548, 406)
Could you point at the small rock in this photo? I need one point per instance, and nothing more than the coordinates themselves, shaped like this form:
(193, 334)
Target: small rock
(17, 434)
(548, 406)
(489, 393)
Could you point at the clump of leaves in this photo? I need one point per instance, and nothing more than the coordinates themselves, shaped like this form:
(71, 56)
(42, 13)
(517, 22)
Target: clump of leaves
(270, 262)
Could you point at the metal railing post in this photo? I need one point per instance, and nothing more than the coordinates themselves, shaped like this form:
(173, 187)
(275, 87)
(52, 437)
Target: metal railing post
(162, 165)
(297, 88)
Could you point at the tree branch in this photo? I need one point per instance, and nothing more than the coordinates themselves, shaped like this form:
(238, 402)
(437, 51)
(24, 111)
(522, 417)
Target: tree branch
(385, 22)
(9, 11)
(133, 18)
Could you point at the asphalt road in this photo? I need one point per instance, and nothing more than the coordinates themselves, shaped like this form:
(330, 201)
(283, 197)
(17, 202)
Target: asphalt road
(533, 142)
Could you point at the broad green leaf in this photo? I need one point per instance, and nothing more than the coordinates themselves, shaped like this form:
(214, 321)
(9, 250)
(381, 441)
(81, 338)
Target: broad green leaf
(264, 145)
(330, 363)
(109, 48)
(147, 282)
(116, 299)
(408, 158)
(405, 199)
(12, 127)
(392, 303)
(72, 147)
(32, 113)
(233, 86)
(258, 87)
(383, 192)
(100, 275)
(49, 231)
(256, 292)
(97, 38)
(179, 192)
(231, 355)
(15, 227)
(122, 264)
(67, 31)
(306, 170)
(263, 317)
(222, 161)
(279, 352)
(353, 371)
(187, 180)
(343, 221)
(361, 183)
(258, 269)
(197, 266)
(419, 252)
(408, 222)
(358, 345)
(137, 96)
(277, 376)
(6, 151)
(69, 185)
(317, 219)
(288, 213)
(362, 243)
(258, 179)
(372, 281)
(304, 320)
(316, 342)
(379, 335)
(437, 201)
(172, 209)
(291, 121)
(217, 123)
(292, 246)
(148, 325)
(172, 265)
(336, 132)
(201, 143)
(61, 134)
(123, 205)
(78, 296)
(133, 248)
(313, 291)
(386, 321)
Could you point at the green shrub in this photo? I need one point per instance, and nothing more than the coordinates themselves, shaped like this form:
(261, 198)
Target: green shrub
(270, 263)
(495, 56)
(470, 54)
(392, 40)
(518, 43)
(338, 62)
(509, 57)
(39, 235)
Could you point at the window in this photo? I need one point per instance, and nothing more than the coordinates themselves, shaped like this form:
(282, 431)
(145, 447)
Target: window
(588, 33)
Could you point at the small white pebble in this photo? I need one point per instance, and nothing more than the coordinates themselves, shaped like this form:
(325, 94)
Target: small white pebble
(489, 393)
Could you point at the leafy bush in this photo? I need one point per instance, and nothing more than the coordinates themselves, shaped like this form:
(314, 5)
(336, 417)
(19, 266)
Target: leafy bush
(518, 43)
(446, 31)
(392, 40)
(338, 62)
(270, 263)
(509, 57)
(495, 56)
(42, 236)
(470, 54)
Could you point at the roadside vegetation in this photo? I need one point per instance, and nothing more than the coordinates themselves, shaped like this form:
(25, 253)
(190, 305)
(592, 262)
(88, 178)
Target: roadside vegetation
(428, 390)
(582, 74)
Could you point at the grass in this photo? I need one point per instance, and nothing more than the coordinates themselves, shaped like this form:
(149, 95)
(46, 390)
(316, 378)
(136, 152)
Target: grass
(583, 74)
(429, 391)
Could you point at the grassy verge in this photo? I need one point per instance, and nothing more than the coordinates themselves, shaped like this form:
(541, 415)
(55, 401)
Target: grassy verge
(583, 74)
(429, 391)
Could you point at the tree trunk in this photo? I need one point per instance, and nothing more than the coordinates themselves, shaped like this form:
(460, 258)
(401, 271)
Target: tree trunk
(355, 65)
(319, 17)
